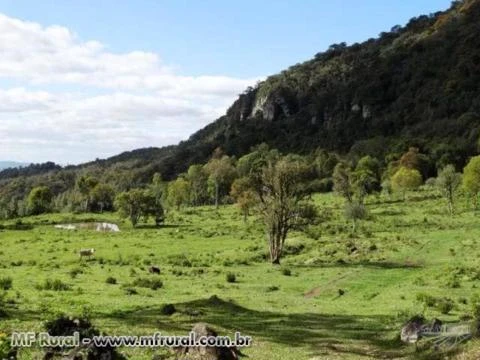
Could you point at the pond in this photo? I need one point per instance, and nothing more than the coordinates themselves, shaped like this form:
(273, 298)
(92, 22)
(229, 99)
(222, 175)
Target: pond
(97, 226)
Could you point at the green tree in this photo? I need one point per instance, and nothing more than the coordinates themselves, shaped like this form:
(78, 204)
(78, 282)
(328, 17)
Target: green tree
(282, 202)
(152, 206)
(102, 197)
(198, 179)
(406, 179)
(448, 181)
(471, 179)
(85, 185)
(178, 192)
(39, 200)
(342, 181)
(366, 177)
(158, 189)
(244, 195)
(324, 163)
(251, 165)
(138, 203)
(221, 174)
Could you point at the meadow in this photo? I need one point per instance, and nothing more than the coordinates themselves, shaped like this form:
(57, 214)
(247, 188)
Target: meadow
(336, 295)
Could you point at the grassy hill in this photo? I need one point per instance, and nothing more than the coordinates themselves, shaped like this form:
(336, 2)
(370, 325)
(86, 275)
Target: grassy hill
(336, 295)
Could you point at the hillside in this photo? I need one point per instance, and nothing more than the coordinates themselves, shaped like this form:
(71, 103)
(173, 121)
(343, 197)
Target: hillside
(415, 85)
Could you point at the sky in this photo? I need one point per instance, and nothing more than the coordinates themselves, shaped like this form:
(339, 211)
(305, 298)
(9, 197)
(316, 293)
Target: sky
(89, 79)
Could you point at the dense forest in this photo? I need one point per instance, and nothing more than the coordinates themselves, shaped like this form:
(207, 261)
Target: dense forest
(415, 86)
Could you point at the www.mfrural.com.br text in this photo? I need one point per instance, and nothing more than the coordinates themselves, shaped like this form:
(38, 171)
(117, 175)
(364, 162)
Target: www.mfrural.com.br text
(44, 339)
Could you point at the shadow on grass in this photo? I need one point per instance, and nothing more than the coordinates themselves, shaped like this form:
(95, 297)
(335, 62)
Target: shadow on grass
(365, 263)
(369, 336)
(318, 332)
(159, 227)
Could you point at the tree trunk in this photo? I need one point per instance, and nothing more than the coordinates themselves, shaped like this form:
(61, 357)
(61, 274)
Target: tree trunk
(217, 191)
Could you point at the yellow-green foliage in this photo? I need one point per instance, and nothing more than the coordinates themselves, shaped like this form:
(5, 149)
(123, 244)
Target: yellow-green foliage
(406, 179)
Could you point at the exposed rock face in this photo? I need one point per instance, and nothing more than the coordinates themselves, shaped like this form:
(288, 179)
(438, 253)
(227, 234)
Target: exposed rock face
(242, 108)
(366, 111)
(279, 102)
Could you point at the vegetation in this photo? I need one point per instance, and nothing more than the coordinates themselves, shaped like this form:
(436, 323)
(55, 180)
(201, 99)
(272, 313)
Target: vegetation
(471, 179)
(400, 250)
(415, 85)
(406, 179)
(366, 122)
(448, 182)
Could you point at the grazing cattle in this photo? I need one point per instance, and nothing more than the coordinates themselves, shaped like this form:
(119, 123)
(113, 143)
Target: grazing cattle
(154, 270)
(87, 252)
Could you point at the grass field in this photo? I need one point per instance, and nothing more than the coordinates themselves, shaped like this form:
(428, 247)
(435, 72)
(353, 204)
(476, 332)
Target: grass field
(403, 254)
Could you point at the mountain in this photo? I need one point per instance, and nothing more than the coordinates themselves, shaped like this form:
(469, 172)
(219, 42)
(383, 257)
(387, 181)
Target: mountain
(415, 85)
(11, 164)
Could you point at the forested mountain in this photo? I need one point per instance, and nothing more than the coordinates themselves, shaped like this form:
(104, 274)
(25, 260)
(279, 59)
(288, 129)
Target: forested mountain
(415, 85)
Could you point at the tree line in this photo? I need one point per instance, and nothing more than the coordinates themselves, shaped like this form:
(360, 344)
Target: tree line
(275, 187)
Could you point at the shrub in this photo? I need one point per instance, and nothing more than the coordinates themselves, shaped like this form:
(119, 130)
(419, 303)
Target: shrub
(231, 277)
(5, 347)
(273, 288)
(3, 312)
(168, 309)
(453, 282)
(111, 280)
(428, 300)
(445, 305)
(130, 291)
(75, 271)
(55, 285)
(149, 283)
(6, 283)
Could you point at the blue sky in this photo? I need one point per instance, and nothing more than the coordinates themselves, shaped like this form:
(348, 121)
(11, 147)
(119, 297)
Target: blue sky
(235, 38)
(174, 65)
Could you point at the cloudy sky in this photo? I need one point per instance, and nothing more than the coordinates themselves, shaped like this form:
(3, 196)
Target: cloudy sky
(87, 79)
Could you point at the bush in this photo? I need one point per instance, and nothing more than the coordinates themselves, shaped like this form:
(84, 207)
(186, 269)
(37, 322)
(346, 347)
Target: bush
(131, 291)
(55, 285)
(3, 312)
(231, 277)
(273, 288)
(168, 309)
(149, 283)
(74, 272)
(111, 280)
(453, 282)
(6, 283)
(6, 351)
(428, 300)
(445, 305)
(286, 272)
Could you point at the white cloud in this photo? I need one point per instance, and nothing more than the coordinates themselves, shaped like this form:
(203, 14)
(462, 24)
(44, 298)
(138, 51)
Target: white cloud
(143, 102)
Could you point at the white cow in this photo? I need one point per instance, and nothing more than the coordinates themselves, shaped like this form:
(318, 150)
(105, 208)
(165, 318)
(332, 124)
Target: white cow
(86, 252)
